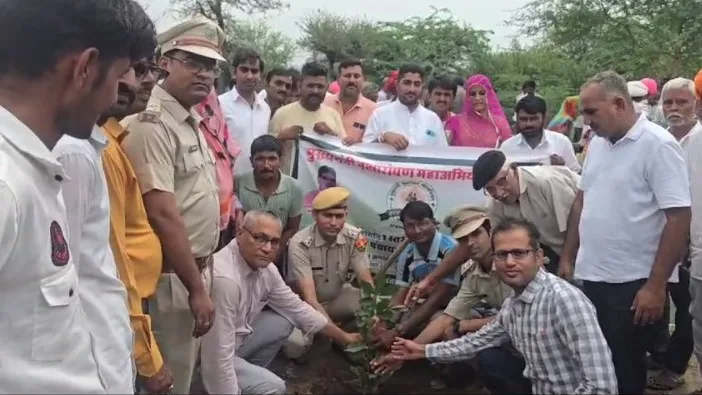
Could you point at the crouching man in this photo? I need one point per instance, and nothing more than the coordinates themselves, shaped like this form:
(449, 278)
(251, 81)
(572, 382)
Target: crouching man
(482, 292)
(244, 339)
(322, 256)
(548, 321)
(427, 249)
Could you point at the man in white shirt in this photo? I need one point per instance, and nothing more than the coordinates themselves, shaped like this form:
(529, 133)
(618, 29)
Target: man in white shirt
(673, 354)
(88, 208)
(628, 224)
(694, 163)
(247, 113)
(244, 338)
(533, 139)
(405, 122)
(50, 88)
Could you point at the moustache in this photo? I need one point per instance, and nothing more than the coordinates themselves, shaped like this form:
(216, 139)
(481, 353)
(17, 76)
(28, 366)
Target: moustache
(674, 116)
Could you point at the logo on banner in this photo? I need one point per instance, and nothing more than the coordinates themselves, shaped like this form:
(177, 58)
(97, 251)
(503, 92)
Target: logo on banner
(404, 192)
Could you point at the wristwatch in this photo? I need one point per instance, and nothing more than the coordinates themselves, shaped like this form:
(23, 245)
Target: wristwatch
(457, 327)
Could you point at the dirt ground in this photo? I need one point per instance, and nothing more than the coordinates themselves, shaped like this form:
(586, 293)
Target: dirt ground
(326, 372)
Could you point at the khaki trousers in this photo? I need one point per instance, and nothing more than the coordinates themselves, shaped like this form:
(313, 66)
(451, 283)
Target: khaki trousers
(341, 309)
(173, 324)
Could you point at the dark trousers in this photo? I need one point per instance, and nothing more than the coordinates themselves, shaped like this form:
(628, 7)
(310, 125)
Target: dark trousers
(627, 341)
(673, 352)
(501, 370)
(552, 266)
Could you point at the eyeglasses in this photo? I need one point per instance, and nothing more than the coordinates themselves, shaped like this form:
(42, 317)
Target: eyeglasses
(518, 254)
(261, 240)
(197, 67)
(500, 184)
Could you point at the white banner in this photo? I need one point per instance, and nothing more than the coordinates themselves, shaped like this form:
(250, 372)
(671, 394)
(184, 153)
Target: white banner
(382, 181)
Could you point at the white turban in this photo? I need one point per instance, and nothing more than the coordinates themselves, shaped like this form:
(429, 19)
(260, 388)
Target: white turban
(637, 89)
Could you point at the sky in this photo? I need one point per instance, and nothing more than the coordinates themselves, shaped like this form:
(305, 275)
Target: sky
(480, 14)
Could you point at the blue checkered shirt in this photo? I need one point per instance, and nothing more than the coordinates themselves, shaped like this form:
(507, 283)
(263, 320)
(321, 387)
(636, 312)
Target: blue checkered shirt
(554, 326)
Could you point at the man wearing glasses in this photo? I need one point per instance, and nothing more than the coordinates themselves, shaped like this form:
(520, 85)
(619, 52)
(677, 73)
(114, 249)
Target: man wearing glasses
(542, 195)
(135, 246)
(176, 173)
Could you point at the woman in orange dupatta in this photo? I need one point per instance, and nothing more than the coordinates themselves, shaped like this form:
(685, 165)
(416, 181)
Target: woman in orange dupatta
(482, 122)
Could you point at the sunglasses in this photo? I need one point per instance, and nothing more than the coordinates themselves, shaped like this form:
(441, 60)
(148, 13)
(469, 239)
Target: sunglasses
(141, 69)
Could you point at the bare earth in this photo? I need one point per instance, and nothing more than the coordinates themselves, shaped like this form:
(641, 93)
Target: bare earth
(326, 372)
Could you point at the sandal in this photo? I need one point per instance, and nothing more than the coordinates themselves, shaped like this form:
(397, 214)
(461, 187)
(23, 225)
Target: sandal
(665, 381)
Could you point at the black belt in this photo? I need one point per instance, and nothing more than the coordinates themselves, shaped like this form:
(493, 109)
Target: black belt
(145, 306)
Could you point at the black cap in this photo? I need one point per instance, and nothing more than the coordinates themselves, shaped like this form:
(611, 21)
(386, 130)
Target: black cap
(486, 168)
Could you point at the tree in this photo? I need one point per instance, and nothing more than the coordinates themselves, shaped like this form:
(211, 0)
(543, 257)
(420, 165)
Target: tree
(634, 37)
(336, 37)
(275, 48)
(222, 11)
(439, 42)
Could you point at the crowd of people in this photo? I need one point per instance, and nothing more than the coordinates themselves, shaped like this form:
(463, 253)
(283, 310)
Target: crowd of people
(151, 235)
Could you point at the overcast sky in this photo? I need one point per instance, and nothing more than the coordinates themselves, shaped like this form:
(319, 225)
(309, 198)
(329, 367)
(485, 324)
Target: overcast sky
(481, 14)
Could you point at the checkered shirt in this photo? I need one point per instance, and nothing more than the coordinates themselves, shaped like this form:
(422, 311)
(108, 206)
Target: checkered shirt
(554, 326)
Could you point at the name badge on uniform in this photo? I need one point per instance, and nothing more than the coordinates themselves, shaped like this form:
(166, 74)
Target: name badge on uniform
(192, 149)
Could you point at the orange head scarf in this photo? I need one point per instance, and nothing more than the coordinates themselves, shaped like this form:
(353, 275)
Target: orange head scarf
(698, 85)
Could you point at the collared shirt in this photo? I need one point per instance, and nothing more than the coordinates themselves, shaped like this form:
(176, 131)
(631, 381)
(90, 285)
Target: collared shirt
(694, 163)
(225, 151)
(327, 263)
(478, 286)
(685, 141)
(170, 154)
(413, 267)
(47, 344)
(136, 248)
(101, 292)
(239, 294)
(356, 118)
(245, 123)
(546, 194)
(554, 327)
(421, 126)
(626, 187)
(285, 203)
(294, 114)
(551, 143)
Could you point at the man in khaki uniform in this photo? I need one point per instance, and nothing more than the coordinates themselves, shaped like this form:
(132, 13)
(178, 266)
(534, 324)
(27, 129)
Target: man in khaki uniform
(176, 173)
(542, 195)
(322, 256)
(482, 292)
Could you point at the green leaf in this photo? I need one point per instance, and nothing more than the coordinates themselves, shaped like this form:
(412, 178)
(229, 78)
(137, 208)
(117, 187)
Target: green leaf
(380, 281)
(366, 290)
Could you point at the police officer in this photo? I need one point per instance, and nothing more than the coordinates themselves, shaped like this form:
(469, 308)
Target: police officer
(322, 256)
(176, 173)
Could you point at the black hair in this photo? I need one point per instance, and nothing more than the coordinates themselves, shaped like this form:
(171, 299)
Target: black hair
(313, 69)
(277, 71)
(529, 84)
(266, 143)
(416, 210)
(531, 105)
(443, 83)
(36, 34)
(349, 63)
(325, 170)
(487, 226)
(509, 224)
(410, 68)
(243, 55)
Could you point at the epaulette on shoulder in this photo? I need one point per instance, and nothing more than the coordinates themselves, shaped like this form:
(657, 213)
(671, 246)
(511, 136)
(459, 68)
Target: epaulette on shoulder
(152, 113)
(468, 267)
(307, 242)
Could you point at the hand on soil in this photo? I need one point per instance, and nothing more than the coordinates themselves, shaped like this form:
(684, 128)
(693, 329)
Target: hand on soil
(386, 364)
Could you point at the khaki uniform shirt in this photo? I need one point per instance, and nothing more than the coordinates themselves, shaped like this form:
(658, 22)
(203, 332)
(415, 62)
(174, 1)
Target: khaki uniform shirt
(170, 154)
(546, 196)
(311, 256)
(478, 287)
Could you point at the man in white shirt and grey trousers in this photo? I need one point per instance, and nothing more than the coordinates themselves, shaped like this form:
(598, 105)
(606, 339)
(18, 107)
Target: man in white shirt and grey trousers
(629, 223)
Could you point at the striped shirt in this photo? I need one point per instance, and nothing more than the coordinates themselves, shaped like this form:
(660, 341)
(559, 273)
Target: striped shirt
(413, 267)
(554, 326)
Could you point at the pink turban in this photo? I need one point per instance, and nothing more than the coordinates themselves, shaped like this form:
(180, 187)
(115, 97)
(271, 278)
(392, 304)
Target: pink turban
(652, 86)
(334, 88)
